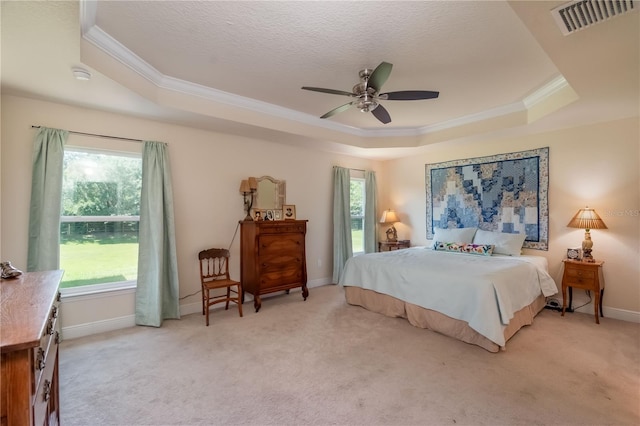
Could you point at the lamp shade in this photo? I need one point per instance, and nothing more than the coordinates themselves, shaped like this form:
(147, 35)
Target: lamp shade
(389, 216)
(587, 219)
(253, 183)
(244, 187)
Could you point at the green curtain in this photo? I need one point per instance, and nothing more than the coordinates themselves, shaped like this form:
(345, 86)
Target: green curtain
(342, 247)
(157, 294)
(370, 209)
(46, 200)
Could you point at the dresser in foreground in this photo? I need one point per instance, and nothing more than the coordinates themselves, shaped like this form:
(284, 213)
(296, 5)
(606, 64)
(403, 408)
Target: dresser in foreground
(272, 257)
(29, 337)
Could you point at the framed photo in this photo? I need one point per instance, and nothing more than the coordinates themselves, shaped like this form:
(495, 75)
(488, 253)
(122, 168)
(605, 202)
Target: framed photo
(574, 253)
(289, 211)
(268, 215)
(277, 215)
(258, 214)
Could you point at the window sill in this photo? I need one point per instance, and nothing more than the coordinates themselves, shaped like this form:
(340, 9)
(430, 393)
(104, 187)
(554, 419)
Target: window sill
(105, 289)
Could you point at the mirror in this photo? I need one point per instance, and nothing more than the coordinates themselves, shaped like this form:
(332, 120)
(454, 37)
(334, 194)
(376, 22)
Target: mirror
(271, 194)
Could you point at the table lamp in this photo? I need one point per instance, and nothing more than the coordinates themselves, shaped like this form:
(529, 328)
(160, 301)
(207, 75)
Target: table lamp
(390, 216)
(587, 219)
(248, 187)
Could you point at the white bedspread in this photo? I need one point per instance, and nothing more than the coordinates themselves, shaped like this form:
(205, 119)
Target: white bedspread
(484, 291)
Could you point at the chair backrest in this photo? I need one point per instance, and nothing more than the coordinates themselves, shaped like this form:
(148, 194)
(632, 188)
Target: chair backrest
(214, 264)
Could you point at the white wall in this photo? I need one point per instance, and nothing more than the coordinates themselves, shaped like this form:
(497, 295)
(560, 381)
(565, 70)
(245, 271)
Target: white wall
(207, 169)
(595, 165)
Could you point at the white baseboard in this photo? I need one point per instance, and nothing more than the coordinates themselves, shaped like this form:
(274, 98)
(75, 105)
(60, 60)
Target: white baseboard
(96, 327)
(615, 313)
(87, 329)
(319, 282)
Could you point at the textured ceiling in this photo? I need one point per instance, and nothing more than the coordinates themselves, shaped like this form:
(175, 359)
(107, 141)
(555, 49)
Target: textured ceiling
(268, 50)
(238, 66)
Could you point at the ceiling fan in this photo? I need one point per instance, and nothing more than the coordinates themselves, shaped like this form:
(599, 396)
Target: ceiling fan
(366, 94)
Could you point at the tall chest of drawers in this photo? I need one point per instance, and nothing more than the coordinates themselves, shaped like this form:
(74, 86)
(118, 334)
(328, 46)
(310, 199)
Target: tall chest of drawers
(29, 340)
(272, 257)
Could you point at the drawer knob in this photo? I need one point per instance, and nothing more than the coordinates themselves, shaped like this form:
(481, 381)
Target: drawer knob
(50, 329)
(40, 363)
(46, 390)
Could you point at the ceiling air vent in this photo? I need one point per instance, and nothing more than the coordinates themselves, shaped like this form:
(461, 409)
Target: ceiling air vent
(581, 14)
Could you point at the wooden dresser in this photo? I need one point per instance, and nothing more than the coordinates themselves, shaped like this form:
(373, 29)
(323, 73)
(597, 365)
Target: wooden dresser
(272, 257)
(29, 337)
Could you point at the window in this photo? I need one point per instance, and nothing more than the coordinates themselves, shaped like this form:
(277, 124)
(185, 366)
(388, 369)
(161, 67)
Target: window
(100, 217)
(356, 205)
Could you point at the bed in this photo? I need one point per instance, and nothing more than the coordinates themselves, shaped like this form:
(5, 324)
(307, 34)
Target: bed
(482, 300)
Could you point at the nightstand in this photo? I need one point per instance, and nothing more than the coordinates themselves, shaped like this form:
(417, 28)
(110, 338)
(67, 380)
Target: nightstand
(584, 275)
(393, 245)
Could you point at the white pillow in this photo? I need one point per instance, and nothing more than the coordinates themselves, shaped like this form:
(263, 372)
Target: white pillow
(510, 244)
(454, 235)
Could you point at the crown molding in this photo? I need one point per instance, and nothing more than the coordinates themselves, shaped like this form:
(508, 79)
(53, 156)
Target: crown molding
(545, 92)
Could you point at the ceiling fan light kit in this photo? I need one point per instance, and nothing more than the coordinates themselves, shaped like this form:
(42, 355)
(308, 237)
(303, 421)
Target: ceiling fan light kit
(366, 94)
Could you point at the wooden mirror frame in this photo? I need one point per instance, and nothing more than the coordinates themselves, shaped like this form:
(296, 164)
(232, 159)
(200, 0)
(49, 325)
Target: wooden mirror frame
(268, 202)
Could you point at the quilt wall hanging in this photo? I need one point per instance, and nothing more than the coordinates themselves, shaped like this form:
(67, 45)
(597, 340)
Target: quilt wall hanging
(501, 193)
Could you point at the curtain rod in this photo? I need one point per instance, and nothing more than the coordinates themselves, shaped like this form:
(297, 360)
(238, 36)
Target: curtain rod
(97, 135)
(357, 170)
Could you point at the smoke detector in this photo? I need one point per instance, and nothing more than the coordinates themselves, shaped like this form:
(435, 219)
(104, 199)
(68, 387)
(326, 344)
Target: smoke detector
(81, 73)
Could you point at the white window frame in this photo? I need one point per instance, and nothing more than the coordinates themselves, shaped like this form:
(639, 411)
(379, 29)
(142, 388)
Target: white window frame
(96, 289)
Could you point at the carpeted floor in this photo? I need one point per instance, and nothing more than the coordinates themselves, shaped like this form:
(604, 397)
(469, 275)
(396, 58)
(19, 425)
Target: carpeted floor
(323, 362)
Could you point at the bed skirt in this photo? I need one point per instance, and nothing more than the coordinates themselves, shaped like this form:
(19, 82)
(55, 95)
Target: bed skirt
(432, 320)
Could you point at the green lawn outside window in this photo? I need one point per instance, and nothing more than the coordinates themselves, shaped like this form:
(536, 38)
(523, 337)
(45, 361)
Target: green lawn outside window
(98, 258)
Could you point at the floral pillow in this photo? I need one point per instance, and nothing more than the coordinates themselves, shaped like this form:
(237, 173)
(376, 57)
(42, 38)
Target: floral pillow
(470, 248)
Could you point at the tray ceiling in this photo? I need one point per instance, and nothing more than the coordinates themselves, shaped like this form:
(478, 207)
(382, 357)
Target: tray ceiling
(238, 66)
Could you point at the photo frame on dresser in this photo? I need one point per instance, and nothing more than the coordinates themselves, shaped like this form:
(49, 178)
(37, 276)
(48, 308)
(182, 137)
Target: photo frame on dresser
(258, 214)
(289, 211)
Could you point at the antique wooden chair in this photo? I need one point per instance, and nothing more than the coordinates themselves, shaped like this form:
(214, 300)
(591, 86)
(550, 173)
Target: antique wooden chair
(214, 274)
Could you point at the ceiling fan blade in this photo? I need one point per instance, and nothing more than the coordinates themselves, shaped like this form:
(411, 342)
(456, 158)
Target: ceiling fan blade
(381, 114)
(337, 110)
(331, 91)
(380, 75)
(409, 95)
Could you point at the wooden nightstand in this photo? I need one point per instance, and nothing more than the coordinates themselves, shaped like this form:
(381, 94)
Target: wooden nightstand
(587, 276)
(393, 245)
